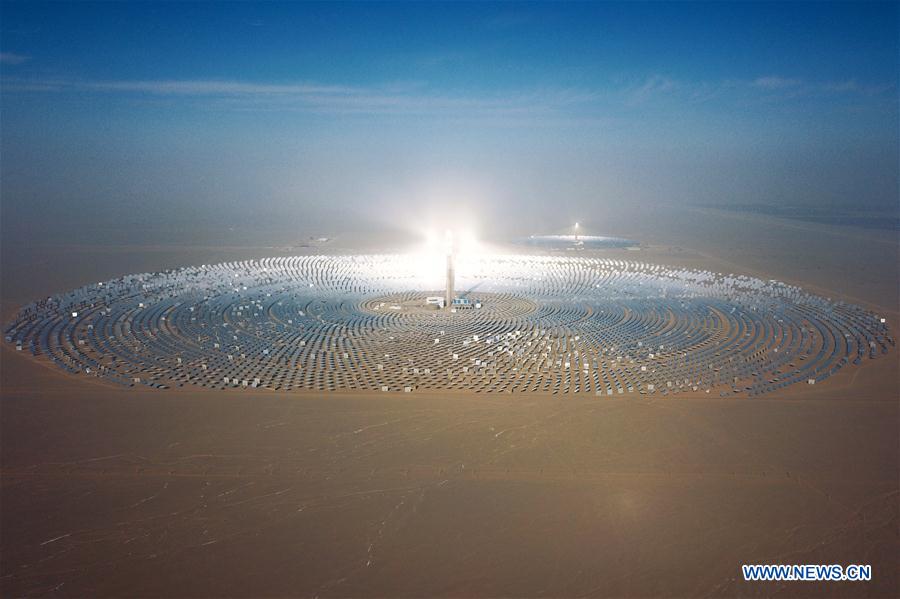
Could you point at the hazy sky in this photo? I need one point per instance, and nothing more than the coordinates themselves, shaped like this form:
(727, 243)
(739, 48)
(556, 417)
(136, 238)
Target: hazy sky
(316, 112)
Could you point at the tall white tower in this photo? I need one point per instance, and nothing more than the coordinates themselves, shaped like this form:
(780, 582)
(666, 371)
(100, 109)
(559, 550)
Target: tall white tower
(450, 293)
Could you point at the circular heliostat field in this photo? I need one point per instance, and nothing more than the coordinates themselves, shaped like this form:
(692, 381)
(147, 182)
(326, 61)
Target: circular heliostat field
(545, 324)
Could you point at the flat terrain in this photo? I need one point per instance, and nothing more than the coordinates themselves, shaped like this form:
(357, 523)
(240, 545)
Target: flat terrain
(115, 492)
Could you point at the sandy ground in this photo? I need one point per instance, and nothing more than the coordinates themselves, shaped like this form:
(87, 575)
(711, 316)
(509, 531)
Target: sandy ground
(116, 492)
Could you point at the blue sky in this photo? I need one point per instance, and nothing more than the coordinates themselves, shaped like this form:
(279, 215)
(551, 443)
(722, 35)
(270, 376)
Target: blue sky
(183, 110)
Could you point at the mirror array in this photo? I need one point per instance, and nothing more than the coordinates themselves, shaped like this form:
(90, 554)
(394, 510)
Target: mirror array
(546, 324)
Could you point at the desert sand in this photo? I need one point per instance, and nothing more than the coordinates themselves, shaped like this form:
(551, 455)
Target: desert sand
(110, 491)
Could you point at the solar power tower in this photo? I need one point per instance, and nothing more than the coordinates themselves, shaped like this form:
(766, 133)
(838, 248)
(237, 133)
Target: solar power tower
(450, 293)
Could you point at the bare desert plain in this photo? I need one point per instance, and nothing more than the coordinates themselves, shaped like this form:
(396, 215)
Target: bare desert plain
(112, 491)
